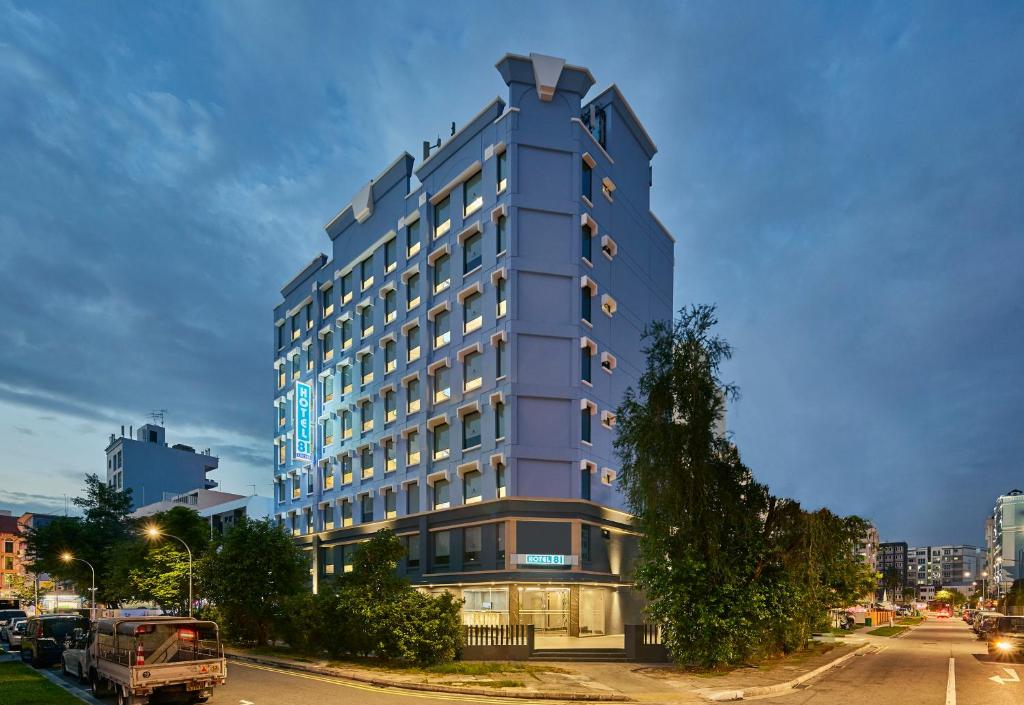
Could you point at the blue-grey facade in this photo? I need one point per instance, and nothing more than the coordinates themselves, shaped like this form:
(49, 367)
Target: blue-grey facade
(152, 470)
(466, 342)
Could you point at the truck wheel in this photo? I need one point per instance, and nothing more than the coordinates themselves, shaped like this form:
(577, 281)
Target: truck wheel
(126, 698)
(98, 685)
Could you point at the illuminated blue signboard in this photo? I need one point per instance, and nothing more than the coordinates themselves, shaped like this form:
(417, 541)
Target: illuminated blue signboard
(541, 559)
(303, 421)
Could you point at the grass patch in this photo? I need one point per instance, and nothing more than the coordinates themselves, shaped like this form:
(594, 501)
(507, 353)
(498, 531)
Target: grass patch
(22, 685)
(887, 631)
(910, 620)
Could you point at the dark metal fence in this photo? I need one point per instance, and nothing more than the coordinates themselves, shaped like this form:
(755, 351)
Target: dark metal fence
(496, 635)
(651, 634)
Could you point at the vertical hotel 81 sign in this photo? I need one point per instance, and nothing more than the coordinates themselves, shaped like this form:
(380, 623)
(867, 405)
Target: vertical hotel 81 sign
(303, 421)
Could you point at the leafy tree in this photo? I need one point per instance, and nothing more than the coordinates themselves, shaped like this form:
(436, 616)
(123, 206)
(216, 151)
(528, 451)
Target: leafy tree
(891, 582)
(250, 573)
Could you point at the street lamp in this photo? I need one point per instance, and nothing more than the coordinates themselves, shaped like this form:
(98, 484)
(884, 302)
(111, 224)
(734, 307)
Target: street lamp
(153, 533)
(67, 558)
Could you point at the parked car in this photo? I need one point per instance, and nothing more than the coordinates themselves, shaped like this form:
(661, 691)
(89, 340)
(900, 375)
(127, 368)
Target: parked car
(968, 615)
(15, 631)
(1006, 638)
(979, 616)
(6, 617)
(45, 637)
(988, 625)
(73, 660)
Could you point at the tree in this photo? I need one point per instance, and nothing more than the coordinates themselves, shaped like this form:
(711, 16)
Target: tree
(891, 582)
(249, 574)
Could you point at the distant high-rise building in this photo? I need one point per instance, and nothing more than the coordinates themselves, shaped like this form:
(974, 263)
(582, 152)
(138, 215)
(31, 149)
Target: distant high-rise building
(1007, 540)
(892, 556)
(151, 469)
(951, 566)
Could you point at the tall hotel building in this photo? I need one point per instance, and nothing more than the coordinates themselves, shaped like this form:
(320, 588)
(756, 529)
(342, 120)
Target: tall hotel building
(451, 371)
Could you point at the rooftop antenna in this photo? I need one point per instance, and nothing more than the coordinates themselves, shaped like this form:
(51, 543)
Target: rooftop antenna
(428, 148)
(158, 416)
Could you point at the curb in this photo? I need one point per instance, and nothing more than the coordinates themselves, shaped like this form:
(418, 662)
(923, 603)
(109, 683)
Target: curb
(742, 694)
(386, 683)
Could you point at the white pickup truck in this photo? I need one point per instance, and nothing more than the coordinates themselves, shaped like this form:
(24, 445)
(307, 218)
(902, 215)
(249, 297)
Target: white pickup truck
(166, 659)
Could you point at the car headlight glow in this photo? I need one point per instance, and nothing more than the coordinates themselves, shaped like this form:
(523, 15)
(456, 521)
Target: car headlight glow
(1004, 645)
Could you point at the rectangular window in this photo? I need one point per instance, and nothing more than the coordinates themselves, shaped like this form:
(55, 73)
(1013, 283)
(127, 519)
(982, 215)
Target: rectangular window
(346, 287)
(442, 548)
(472, 312)
(328, 431)
(390, 406)
(390, 457)
(346, 379)
(499, 420)
(499, 479)
(585, 359)
(309, 482)
(366, 462)
(442, 216)
(442, 329)
(472, 371)
(280, 336)
(346, 424)
(309, 521)
(309, 356)
(327, 300)
(412, 549)
(280, 491)
(442, 385)
(296, 328)
(328, 346)
(281, 449)
(296, 366)
(500, 296)
(585, 425)
(327, 388)
(471, 544)
(502, 169)
(412, 404)
(442, 273)
(346, 513)
(412, 498)
(348, 555)
(366, 416)
(390, 255)
(366, 273)
(442, 499)
(366, 321)
(296, 486)
(309, 315)
(282, 414)
(471, 430)
(346, 333)
(412, 238)
(588, 182)
(442, 449)
(327, 517)
(327, 476)
(501, 234)
(499, 542)
(346, 469)
(366, 369)
(281, 375)
(412, 448)
(585, 311)
(585, 483)
(412, 344)
(472, 194)
(472, 489)
(585, 543)
(587, 240)
(390, 306)
(501, 359)
(366, 509)
(412, 291)
(472, 252)
(390, 504)
(390, 356)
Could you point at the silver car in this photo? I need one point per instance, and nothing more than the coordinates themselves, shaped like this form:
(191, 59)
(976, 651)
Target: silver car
(72, 661)
(15, 632)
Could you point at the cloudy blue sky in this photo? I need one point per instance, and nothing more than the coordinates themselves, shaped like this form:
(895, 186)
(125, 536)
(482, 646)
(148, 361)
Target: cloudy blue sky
(844, 180)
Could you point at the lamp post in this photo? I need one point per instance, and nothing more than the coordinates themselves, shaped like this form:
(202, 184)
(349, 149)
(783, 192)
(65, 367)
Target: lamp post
(67, 558)
(154, 532)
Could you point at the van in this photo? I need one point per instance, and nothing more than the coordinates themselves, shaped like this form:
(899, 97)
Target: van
(44, 639)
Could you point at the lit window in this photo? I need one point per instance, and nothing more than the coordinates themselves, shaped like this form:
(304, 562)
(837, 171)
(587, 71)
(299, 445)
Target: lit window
(366, 509)
(499, 420)
(282, 414)
(296, 486)
(412, 344)
(472, 193)
(412, 291)
(588, 182)
(471, 544)
(366, 273)
(327, 516)
(346, 513)
(328, 477)
(346, 424)
(412, 449)
(501, 296)
(296, 366)
(442, 494)
(327, 388)
(413, 397)
(442, 329)
(390, 306)
(366, 369)
(366, 321)
(442, 216)
(346, 469)
(390, 406)
(472, 252)
(328, 431)
(328, 345)
(346, 333)
(366, 416)
(327, 301)
(346, 379)
(308, 353)
(346, 287)
(281, 450)
(471, 430)
(442, 273)
(390, 255)
(390, 504)
(472, 312)
(390, 458)
(366, 462)
(502, 169)
(442, 449)
(412, 238)
(281, 374)
(442, 542)
(472, 371)
(499, 479)
(442, 385)
(296, 328)
(390, 356)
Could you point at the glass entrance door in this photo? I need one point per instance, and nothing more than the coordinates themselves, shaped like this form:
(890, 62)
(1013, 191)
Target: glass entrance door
(547, 609)
(592, 611)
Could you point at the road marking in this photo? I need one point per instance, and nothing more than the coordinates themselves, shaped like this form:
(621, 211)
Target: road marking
(951, 683)
(427, 695)
(246, 702)
(1003, 680)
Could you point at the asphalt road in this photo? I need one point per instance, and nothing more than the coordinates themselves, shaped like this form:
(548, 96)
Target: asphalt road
(940, 662)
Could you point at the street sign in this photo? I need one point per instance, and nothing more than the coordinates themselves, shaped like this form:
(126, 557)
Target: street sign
(303, 421)
(542, 559)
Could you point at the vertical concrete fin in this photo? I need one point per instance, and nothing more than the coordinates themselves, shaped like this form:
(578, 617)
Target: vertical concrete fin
(546, 72)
